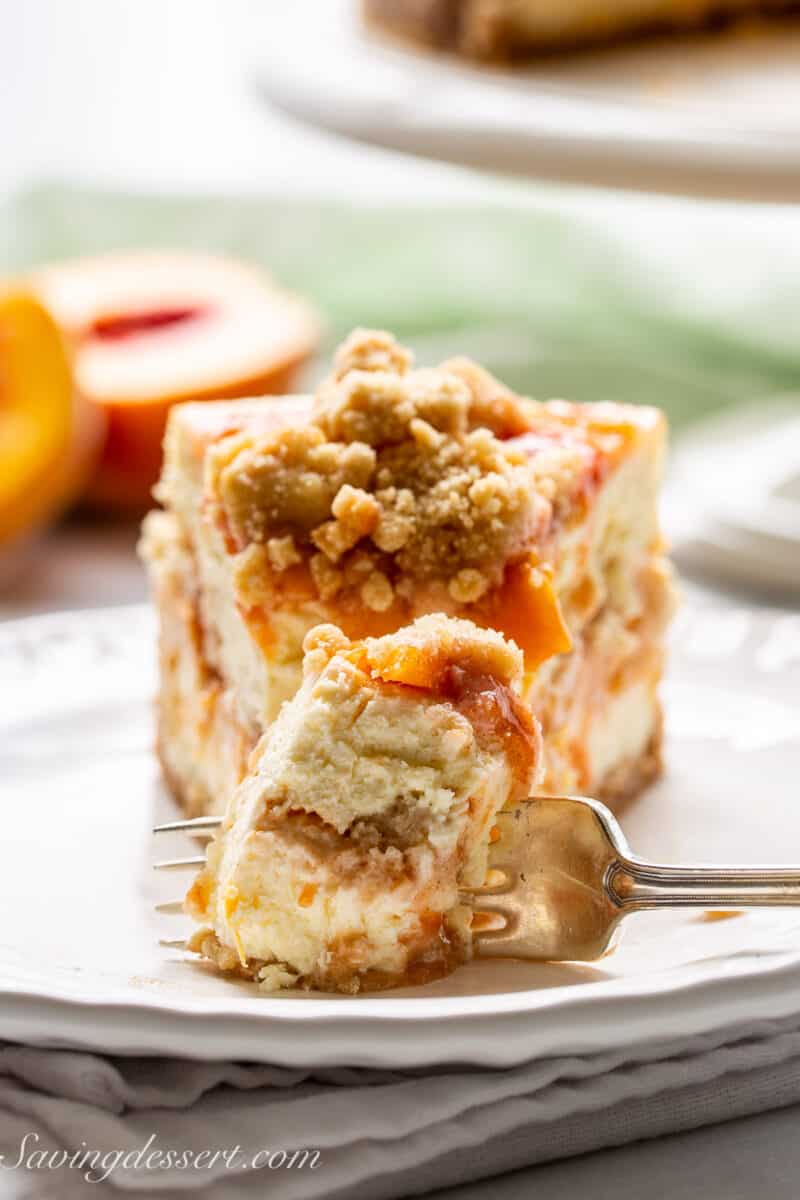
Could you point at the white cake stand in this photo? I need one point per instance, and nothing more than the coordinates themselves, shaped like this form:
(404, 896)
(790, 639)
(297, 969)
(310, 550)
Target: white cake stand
(716, 115)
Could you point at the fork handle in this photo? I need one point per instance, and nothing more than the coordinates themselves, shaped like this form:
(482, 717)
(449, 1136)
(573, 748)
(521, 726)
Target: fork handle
(635, 885)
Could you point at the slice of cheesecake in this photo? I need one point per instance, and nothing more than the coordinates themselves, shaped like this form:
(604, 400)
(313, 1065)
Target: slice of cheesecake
(366, 806)
(502, 29)
(396, 492)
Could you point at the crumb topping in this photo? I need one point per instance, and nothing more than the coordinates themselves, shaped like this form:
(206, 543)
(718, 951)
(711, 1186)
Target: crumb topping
(355, 514)
(434, 643)
(402, 476)
(370, 350)
(320, 645)
(492, 404)
(282, 552)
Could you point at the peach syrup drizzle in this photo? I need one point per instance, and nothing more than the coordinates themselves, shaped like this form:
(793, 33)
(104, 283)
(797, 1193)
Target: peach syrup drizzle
(496, 714)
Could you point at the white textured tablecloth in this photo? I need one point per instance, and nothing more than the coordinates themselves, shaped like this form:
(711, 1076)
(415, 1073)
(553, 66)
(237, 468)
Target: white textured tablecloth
(378, 1134)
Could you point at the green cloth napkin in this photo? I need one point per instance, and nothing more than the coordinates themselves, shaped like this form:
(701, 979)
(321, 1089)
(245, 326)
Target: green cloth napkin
(691, 315)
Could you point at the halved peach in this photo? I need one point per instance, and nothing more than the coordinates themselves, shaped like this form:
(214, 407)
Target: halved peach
(49, 437)
(152, 328)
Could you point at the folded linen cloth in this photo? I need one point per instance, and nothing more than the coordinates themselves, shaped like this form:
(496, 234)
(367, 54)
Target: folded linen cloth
(365, 1133)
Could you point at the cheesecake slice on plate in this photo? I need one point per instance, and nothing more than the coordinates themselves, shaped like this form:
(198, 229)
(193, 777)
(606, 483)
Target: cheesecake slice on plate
(396, 492)
(367, 804)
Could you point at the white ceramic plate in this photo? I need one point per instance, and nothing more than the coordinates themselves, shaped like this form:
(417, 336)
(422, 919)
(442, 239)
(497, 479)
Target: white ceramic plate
(80, 962)
(733, 498)
(715, 114)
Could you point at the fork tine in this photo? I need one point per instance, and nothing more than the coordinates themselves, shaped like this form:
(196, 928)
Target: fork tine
(508, 930)
(194, 825)
(173, 943)
(492, 887)
(170, 907)
(176, 864)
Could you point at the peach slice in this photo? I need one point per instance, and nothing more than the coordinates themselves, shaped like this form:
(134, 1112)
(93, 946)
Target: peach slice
(49, 438)
(151, 328)
(526, 609)
(408, 664)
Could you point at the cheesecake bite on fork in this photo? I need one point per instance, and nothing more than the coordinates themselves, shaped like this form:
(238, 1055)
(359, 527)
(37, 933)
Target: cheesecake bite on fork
(368, 807)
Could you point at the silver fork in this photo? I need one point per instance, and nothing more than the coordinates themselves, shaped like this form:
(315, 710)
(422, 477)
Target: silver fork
(561, 878)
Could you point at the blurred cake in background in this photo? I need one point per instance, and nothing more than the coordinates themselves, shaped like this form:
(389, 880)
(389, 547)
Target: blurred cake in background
(503, 29)
(396, 492)
(149, 328)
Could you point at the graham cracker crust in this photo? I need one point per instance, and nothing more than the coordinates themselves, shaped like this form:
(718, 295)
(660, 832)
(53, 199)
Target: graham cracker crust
(271, 976)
